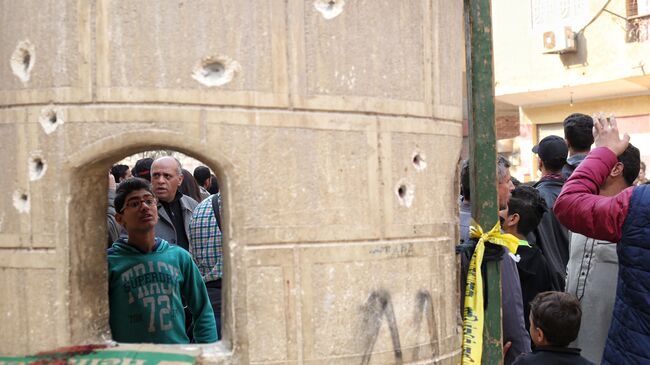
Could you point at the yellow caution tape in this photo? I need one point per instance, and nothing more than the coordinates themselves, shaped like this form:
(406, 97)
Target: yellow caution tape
(473, 307)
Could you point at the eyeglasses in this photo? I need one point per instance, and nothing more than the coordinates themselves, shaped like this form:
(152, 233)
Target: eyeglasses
(135, 204)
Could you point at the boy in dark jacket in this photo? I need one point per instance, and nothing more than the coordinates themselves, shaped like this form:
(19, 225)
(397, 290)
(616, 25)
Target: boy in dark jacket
(150, 281)
(525, 210)
(554, 323)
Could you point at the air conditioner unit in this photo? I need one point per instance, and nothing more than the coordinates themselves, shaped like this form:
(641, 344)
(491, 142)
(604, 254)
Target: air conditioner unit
(559, 40)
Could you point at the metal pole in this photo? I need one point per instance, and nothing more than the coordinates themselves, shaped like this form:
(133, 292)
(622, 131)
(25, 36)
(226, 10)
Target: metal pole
(482, 151)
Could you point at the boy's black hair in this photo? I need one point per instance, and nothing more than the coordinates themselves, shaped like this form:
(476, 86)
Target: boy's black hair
(578, 131)
(464, 180)
(142, 168)
(119, 172)
(631, 160)
(128, 186)
(201, 173)
(530, 206)
(214, 185)
(558, 315)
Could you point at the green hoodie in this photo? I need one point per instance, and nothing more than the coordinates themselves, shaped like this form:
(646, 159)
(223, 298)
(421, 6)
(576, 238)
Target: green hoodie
(147, 292)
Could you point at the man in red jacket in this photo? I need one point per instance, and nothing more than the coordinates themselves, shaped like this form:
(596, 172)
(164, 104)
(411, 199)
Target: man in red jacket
(623, 218)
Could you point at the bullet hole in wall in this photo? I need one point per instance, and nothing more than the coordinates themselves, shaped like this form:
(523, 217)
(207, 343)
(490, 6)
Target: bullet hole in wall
(22, 60)
(405, 193)
(329, 9)
(419, 161)
(401, 191)
(50, 119)
(37, 168)
(21, 202)
(216, 71)
(26, 59)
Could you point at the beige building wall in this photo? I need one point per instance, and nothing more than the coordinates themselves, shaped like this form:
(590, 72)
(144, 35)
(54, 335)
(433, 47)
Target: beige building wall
(606, 73)
(334, 129)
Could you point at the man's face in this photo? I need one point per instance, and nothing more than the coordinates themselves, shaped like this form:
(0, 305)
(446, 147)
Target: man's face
(504, 188)
(140, 212)
(165, 178)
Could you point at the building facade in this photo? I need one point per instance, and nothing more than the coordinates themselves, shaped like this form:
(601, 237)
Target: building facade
(554, 58)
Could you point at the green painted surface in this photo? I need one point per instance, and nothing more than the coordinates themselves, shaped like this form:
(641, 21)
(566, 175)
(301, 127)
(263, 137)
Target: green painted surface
(482, 149)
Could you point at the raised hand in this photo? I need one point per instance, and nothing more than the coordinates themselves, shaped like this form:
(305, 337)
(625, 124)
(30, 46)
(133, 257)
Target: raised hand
(606, 134)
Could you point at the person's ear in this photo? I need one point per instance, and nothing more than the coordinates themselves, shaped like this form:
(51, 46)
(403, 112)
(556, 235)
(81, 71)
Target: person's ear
(513, 220)
(538, 334)
(180, 180)
(119, 218)
(617, 170)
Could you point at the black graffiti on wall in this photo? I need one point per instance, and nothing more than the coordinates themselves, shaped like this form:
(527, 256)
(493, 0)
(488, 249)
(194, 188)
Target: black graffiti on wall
(378, 309)
(424, 310)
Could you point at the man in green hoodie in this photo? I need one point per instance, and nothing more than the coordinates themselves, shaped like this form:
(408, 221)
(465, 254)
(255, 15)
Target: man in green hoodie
(150, 281)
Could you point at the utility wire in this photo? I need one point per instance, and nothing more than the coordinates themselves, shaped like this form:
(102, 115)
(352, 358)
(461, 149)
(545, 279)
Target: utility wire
(595, 17)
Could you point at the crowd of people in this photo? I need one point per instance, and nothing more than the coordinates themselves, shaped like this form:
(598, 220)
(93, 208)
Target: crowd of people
(575, 291)
(164, 253)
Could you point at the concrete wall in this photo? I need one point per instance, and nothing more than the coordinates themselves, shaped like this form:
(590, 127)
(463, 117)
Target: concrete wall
(335, 139)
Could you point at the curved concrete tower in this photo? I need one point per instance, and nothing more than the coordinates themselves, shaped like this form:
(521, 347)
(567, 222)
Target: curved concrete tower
(335, 130)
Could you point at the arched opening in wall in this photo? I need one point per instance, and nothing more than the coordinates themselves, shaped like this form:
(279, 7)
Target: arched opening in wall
(153, 292)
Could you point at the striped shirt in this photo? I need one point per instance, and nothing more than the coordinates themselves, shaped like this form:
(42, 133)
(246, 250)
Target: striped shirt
(205, 240)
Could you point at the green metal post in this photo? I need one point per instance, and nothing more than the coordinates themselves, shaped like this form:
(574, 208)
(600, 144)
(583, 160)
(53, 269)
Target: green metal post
(482, 151)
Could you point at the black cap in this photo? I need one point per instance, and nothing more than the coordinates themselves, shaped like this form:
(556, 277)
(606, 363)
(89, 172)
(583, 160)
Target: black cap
(552, 148)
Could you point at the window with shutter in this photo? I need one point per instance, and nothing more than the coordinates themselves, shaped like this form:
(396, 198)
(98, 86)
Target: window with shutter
(638, 23)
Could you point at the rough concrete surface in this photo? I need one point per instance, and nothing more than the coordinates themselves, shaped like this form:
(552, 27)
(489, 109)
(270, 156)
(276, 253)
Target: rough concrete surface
(334, 132)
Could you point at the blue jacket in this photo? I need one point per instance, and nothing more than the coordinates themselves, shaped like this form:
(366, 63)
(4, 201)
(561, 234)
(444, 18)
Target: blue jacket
(628, 340)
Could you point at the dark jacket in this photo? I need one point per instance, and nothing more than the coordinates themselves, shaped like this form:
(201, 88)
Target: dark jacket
(534, 275)
(571, 164)
(514, 329)
(621, 218)
(550, 236)
(628, 340)
(551, 355)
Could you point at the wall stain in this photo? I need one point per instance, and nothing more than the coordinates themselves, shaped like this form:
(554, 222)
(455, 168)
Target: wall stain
(424, 308)
(377, 306)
